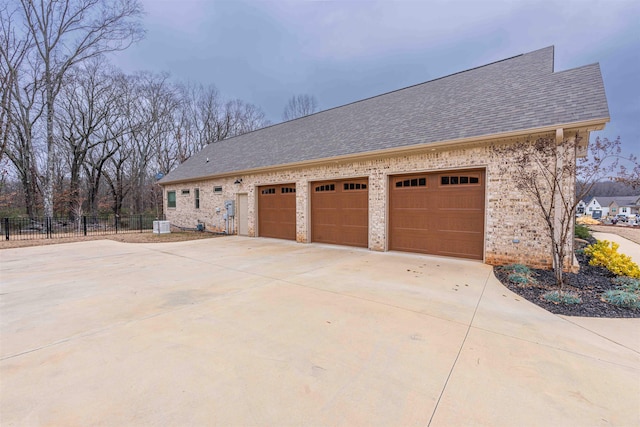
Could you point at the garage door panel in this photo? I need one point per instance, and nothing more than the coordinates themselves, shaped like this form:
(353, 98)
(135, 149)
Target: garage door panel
(459, 243)
(412, 220)
(460, 222)
(459, 200)
(438, 213)
(354, 218)
(348, 220)
(413, 200)
(277, 211)
(411, 240)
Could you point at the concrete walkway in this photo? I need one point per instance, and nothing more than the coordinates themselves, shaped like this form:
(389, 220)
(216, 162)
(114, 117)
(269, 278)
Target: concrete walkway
(239, 331)
(627, 247)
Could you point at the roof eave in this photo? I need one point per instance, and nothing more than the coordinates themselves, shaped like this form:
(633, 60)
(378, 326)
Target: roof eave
(589, 125)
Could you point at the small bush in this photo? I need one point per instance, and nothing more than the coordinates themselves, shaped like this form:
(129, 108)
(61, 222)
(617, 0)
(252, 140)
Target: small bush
(605, 254)
(518, 268)
(581, 231)
(518, 279)
(558, 297)
(519, 274)
(622, 298)
(629, 284)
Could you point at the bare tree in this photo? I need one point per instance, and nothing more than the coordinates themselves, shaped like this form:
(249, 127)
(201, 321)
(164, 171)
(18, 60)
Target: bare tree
(88, 106)
(65, 33)
(12, 53)
(545, 170)
(239, 117)
(300, 106)
(630, 175)
(20, 106)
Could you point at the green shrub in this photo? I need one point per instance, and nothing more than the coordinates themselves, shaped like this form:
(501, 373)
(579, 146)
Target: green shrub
(518, 268)
(628, 284)
(558, 297)
(581, 231)
(518, 279)
(621, 298)
(605, 254)
(519, 274)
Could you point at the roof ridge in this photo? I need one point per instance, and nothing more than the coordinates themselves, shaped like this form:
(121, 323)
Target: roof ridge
(392, 91)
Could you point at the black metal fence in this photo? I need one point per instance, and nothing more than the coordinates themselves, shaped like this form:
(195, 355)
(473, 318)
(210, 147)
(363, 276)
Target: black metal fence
(55, 228)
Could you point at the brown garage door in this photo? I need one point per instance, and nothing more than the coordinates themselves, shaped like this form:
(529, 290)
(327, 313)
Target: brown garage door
(339, 212)
(277, 211)
(438, 213)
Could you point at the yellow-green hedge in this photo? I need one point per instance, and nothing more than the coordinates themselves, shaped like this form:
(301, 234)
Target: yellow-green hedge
(605, 254)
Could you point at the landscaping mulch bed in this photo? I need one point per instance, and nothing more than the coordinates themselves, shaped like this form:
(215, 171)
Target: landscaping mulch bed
(588, 284)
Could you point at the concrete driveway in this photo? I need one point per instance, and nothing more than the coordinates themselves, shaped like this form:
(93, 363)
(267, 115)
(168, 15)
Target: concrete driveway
(239, 331)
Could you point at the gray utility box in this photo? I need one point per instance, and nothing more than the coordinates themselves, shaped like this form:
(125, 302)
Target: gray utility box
(230, 206)
(161, 227)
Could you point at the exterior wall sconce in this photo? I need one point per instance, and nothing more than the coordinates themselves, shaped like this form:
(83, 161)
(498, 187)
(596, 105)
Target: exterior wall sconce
(238, 181)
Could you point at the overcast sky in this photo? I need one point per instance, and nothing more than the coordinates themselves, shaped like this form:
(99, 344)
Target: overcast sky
(264, 52)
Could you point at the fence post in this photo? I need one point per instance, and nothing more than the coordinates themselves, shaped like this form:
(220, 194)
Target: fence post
(141, 223)
(6, 228)
(117, 223)
(48, 224)
(84, 224)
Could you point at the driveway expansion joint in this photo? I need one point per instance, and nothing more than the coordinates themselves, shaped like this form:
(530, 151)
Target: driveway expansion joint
(464, 340)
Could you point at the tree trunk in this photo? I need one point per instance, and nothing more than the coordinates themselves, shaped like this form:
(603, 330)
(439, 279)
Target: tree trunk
(48, 183)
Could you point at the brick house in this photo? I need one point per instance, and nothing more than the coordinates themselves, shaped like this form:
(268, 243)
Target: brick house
(619, 205)
(410, 170)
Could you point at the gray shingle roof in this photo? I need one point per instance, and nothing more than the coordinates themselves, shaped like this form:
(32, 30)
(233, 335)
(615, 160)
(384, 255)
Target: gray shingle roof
(620, 200)
(514, 94)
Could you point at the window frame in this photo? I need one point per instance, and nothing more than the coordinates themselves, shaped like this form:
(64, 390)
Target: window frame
(196, 195)
(174, 201)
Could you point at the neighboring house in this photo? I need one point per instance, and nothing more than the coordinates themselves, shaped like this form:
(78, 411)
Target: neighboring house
(581, 207)
(624, 205)
(598, 206)
(613, 205)
(411, 170)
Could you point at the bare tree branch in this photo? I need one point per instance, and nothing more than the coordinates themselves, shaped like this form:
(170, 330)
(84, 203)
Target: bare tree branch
(67, 32)
(300, 106)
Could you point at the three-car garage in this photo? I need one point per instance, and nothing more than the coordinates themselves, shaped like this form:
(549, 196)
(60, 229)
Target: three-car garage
(432, 213)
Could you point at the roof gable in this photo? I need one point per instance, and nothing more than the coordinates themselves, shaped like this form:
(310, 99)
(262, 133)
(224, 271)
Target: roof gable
(514, 94)
(620, 201)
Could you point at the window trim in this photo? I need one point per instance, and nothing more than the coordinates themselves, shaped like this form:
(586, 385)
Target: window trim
(196, 195)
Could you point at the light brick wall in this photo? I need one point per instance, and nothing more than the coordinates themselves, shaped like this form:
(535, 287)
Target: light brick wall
(509, 215)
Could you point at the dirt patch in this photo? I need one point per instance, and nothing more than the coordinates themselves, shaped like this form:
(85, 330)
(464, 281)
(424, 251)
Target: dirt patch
(145, 237)
(589, 284)
(628, 232)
